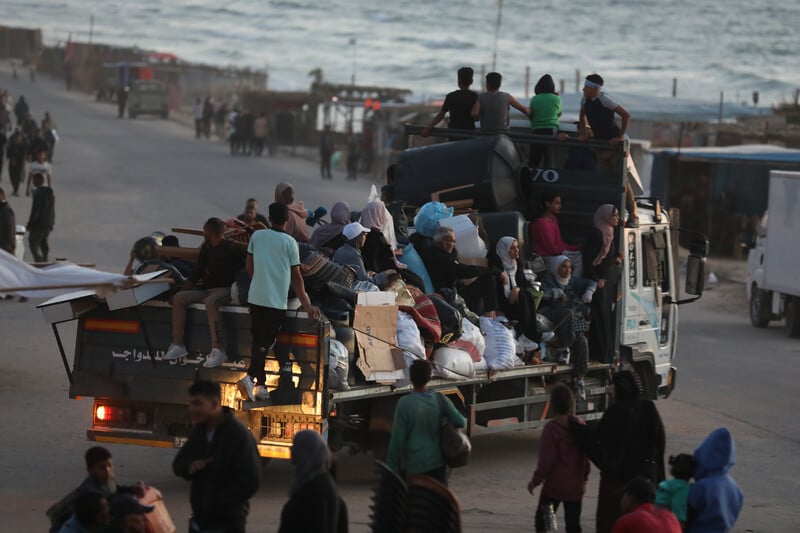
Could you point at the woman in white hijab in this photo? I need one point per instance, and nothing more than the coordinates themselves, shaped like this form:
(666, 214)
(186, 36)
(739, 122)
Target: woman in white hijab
(516, 298)
(564, 303)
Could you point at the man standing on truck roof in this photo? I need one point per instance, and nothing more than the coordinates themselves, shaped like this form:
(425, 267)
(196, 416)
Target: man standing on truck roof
(220, 459)
(597, 112)
(210, 283)
(459, 104)
(273, 261)
(492, 106)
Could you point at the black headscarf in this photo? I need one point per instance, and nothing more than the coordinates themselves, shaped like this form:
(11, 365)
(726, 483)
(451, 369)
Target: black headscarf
(627, 385)
(545, 85)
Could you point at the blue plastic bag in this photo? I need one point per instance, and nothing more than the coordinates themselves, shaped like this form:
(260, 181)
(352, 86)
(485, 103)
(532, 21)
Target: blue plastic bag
(427, 220)
(413, 261)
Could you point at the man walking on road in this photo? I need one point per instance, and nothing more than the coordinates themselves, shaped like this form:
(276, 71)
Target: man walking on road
(17, 151)
(326, 152)
(8, 226)
(41, 220)
(273, 261)
(221, 461)
(210, 282)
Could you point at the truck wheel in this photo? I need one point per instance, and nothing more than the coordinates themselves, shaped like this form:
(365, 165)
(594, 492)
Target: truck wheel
(792, 317)
(760, 307)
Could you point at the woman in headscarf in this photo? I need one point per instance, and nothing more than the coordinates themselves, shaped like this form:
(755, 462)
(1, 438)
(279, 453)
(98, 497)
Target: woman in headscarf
(564, 302)
(330, 235)
(377, 252)
(296, 227)
(629, 442)
(515, 293)
(600, 264)
(314, 504)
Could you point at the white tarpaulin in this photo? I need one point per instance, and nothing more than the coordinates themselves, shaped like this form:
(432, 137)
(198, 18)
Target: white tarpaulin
(15, 273)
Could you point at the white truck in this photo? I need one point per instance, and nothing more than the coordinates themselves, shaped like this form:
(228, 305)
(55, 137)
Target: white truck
(773, 278)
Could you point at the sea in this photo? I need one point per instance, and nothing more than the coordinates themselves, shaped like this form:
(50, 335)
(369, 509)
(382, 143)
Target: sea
(638, 46)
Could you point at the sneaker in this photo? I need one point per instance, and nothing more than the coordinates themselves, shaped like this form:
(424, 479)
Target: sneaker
(580, 389)
(247, 387)
(547, 336)
(215, 358)
(261, 394)
(175, 351)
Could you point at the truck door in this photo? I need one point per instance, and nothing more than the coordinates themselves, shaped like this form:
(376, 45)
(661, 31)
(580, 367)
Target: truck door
(641, 317)
(657, 281)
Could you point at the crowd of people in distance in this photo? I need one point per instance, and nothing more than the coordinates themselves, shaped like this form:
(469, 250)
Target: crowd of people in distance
(27, 146)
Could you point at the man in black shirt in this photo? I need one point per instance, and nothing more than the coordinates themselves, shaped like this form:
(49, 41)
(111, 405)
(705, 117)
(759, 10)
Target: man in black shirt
(221, 461)
(41, 220)
(459, 104)
(210, 283)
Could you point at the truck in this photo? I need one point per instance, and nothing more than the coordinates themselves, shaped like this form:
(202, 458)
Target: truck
(140, 399)
(773, 281)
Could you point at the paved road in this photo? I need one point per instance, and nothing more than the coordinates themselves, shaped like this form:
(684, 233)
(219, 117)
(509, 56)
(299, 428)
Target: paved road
(118, 180)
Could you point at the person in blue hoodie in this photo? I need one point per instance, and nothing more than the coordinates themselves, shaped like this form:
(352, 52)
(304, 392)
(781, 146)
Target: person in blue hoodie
(714, 500)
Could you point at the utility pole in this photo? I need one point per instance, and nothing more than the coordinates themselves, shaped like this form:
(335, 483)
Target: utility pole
(91, 28)
(497, 34)
(527, 81)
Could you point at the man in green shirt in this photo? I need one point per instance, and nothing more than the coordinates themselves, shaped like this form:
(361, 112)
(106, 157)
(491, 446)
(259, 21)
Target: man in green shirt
(414, 447)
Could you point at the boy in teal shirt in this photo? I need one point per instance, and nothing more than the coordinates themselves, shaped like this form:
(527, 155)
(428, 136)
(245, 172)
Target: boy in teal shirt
(545, 109)
(673, 493)
(415, 447)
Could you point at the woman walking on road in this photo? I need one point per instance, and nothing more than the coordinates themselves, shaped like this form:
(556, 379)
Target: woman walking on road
(628, 443)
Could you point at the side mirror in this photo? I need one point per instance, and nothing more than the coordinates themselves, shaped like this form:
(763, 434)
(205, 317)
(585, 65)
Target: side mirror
(695, 275)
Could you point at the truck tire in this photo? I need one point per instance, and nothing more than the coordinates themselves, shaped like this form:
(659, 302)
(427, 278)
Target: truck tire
(760, 307)
(792, 317)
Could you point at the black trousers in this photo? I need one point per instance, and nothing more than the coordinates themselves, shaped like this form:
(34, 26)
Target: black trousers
(325, 164)
(480, 295)
(40, 249)
(572, 514)
(265, 324)
(15, 174)
(540, 152)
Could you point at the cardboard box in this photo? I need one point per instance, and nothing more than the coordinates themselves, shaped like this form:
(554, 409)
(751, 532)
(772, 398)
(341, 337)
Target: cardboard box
(375, 326)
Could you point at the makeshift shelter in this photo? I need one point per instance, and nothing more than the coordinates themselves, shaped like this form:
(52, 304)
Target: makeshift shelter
(721, 191)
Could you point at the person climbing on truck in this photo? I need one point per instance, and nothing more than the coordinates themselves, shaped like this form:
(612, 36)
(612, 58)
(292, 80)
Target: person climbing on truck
(545, 110)
(210, 283)
(273, 262)
(597, 112)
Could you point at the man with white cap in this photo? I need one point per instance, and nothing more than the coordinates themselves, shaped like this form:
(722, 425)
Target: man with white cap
(598, 112)
(349, 254)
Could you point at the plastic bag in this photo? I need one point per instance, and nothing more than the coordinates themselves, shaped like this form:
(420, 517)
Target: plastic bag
(450, 363)
(472, 334)
(159, 519)
(501, 348)
(408, 336)
(338, 366)
(413, 261)
(427, 220)
(365, 286)
(469, 243)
